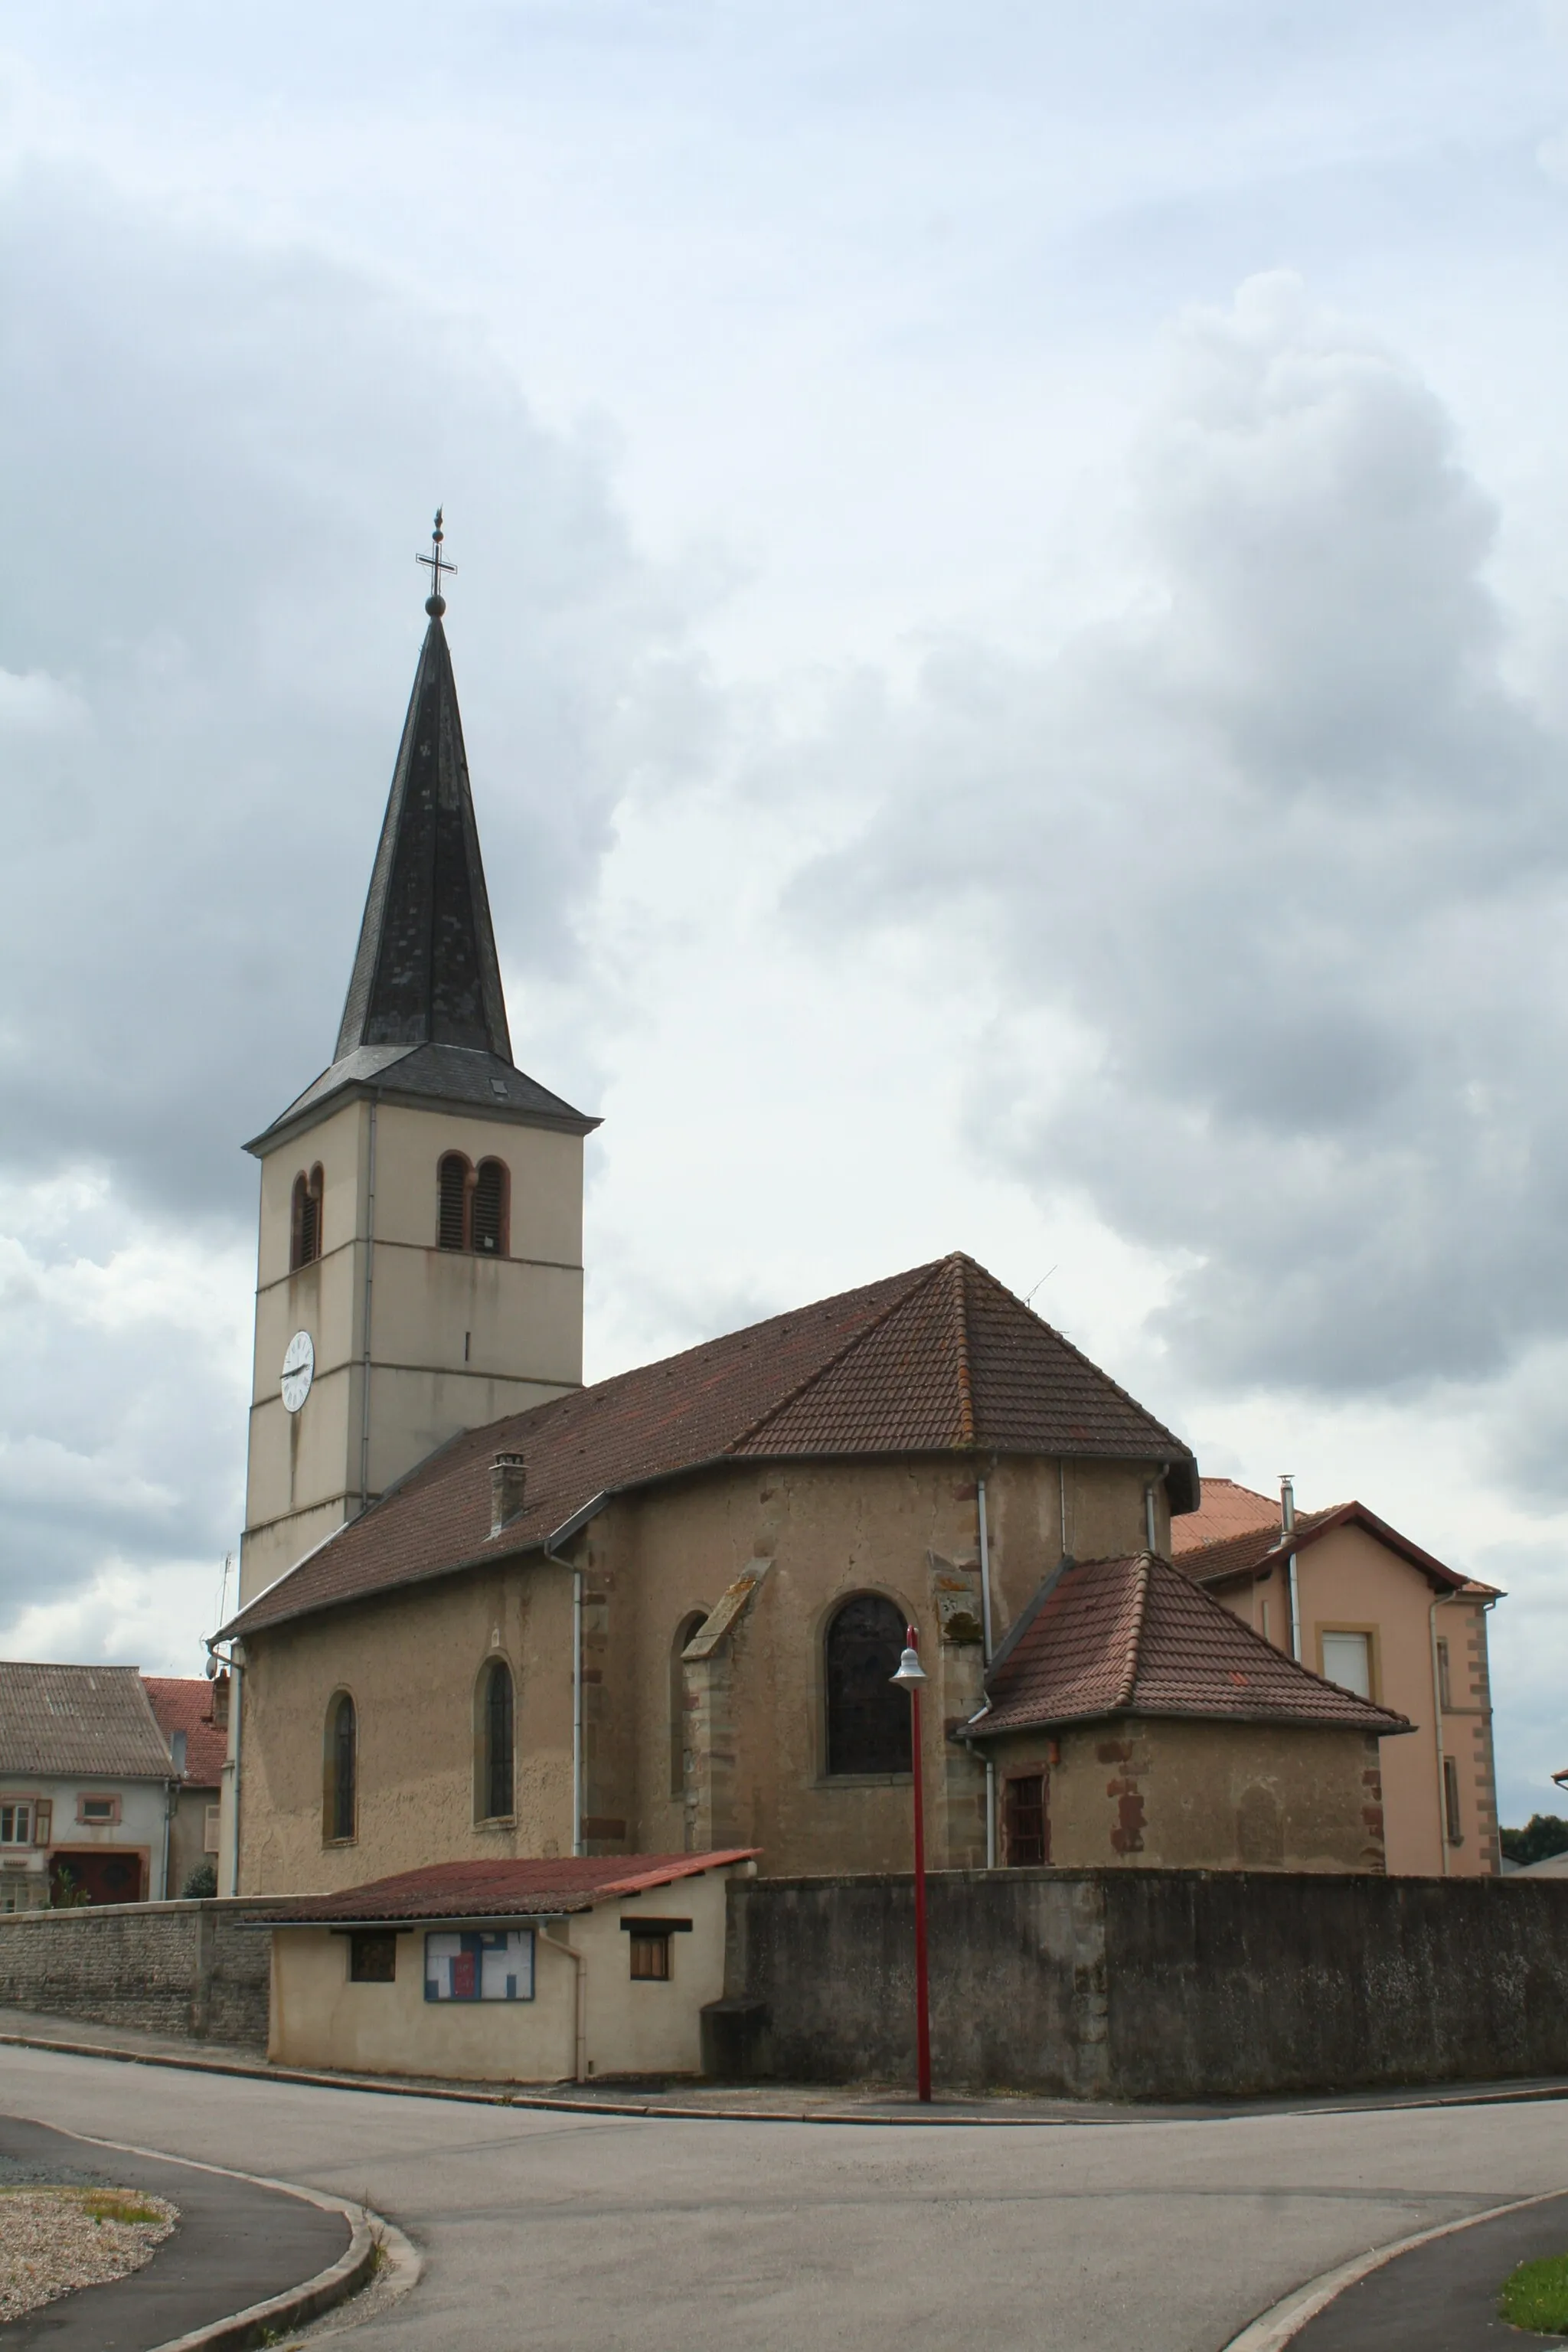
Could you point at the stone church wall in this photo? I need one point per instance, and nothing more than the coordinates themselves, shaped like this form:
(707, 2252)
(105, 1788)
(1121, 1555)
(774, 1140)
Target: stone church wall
(1144, 1984)
(165, 1968)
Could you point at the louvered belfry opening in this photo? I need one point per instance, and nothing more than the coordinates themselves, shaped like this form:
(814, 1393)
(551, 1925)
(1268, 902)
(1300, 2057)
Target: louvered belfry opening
(867, 1713)
(452, 1216)
(488, 1222)
(305, 1218)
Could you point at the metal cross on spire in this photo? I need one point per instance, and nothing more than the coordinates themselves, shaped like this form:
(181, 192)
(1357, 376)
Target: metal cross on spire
(436, 563)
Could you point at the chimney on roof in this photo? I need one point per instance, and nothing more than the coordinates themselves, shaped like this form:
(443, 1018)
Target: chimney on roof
(509, 1473)
(1287, 1502)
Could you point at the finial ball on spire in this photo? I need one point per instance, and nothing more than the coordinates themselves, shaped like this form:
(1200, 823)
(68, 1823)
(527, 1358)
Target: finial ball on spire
(436, 563)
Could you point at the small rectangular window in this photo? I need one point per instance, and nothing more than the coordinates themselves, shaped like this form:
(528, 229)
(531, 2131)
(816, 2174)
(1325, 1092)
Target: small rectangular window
(372, 1957)
(100, 1810)
(15, 1824)
(1451, 1802)
(1347, 1660)
(471, 1966)
(650, 1956)
(1445, 1687)
(212, 1818)
(1023, 1822)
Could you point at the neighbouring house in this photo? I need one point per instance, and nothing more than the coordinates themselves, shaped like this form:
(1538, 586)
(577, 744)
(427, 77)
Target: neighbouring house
(87, 1788)
(1131, 1721)
(505, 1970)
(1360, 1604)
(190, 1712)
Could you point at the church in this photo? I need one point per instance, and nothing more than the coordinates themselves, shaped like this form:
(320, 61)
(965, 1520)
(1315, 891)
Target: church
(487, 1614)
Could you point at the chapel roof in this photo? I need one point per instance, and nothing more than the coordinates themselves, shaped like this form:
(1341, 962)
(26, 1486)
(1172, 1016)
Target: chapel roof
(184, 1702)
(426, 1016)
(940, 1360)
(1257, 1550)
(89, 1722)
(498, 1889)
(1135, 1637)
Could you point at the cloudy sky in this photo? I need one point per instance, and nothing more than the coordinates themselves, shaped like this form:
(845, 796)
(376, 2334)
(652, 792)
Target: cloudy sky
(1013, 630)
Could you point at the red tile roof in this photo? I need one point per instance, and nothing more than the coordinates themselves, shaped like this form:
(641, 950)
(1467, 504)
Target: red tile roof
(498, 1890)
(187, 1705)
(940, 1360)
(1266, 1547)
(1226, 1509)
(1135, 1637)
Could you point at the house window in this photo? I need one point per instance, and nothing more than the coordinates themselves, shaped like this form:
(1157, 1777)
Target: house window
(452, 1211)
(489, 1234)
(341, 1775)
(98, 1812)
(1347, 1660)
(497, 1742)
(372, 1957)
(1445, 1687)
(15, 1824)
(651, 1957)
(867, 1713)
(212, 1816)
(305, 1218)
(1026, 1825)
(690, 1625)
(1451, 1822)
(479, 1966)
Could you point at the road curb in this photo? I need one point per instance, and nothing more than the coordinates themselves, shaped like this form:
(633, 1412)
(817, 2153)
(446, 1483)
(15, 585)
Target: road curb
(262, 2323)
(1273, 2329)
(258, 2070)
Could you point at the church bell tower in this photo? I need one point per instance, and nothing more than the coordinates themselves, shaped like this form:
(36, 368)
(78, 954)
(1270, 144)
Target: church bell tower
(420, 1262)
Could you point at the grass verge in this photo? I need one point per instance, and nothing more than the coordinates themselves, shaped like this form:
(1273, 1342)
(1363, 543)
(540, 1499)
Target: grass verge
(1536, 2296)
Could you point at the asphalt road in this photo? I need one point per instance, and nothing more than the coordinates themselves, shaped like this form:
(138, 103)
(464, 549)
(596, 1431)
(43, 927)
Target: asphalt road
(551, 2231)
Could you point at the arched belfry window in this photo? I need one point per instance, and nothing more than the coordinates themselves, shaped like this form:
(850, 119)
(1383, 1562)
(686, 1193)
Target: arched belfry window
(339, 1792)
(497, 1744)
(305, 1218)
(867, 1713)
(452, 1217)
(489, 1220)
(473, 1205)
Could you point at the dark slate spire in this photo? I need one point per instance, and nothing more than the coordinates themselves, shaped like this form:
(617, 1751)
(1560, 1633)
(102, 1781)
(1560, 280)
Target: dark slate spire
(425, 973)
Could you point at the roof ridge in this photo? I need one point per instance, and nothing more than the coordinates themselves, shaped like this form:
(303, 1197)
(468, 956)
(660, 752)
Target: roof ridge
(1088, 1363)
(921, 1278)
(1135, 1632)
(959, 1263)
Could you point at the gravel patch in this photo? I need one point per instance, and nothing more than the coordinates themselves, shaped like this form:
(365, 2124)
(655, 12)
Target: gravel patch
(54, 2240)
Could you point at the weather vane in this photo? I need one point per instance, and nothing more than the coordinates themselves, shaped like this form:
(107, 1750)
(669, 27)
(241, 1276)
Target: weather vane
(436, 563)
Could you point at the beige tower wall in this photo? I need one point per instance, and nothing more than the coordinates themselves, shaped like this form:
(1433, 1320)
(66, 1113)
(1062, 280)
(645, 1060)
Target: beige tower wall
(456, 1339)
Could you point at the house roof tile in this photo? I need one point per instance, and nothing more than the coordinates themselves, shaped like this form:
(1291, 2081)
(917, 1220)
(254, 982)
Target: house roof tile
(1135, 1637)
(1264, 1548)
(185, 1704)
(498, 1890)
(87, 1722)
(939, 1359)
(1226, 1509)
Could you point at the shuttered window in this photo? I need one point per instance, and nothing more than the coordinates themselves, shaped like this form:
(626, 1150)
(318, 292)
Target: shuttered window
(490, 1209)
(305, 1218)
(452, 1220)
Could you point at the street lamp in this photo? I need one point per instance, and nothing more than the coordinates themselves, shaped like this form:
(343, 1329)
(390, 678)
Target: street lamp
(911, 1676)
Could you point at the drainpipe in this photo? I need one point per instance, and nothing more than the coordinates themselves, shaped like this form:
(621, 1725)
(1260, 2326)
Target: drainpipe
(369, 1280)
(1437, 1731)
(551, 1548)
(985, 1645)
(1150, 1544)
(1292, 1585)
(234, 1661)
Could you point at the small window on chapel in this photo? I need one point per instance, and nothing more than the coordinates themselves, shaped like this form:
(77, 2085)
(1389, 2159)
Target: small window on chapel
(339, 1775)
(305, 1218)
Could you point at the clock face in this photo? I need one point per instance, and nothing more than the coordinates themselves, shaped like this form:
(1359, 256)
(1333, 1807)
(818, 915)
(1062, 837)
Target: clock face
(298, 1371)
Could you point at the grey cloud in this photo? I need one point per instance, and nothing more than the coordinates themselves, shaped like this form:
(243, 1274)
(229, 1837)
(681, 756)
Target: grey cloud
(1291, 855)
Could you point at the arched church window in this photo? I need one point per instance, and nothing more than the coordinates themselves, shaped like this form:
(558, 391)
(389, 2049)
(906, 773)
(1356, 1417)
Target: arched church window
(867, 1713)
(305, 1218)
(341, 1778)
(497, 1743)
(689, 1626)
(452, 1216)
(490, 1209)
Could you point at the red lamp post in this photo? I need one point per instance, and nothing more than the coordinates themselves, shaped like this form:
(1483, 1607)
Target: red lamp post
(911, 1676)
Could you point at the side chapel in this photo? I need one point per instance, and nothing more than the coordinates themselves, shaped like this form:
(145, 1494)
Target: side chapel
(489, 1614)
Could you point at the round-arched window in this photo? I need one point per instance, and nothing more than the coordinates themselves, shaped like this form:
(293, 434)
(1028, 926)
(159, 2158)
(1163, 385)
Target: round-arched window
(341, 1777)
(498, 1743)
(867, 1713)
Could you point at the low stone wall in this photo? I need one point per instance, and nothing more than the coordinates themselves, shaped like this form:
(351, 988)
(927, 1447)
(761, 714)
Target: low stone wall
(169, 1968)
(1142, 1984)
